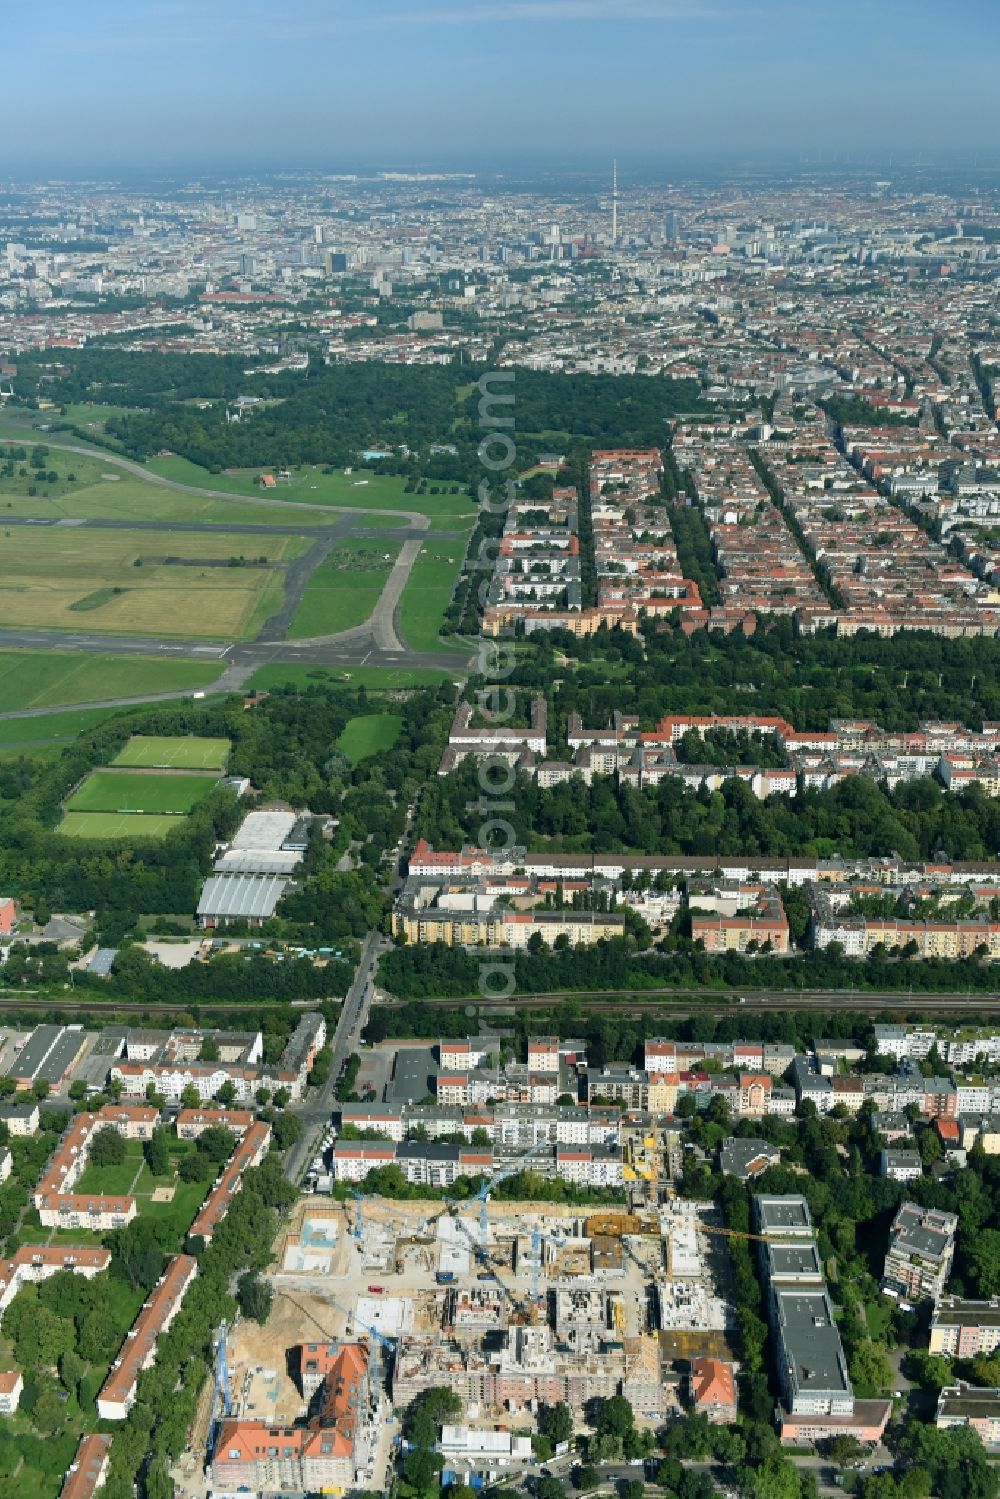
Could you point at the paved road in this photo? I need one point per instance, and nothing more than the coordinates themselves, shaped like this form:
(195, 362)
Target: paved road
(315, 1114)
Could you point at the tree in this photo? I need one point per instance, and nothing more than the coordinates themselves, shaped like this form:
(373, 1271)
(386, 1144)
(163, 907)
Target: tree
(421, 1467)
(227, 1093)
(929, 1370)
(631, 1488)
(190, 1097)
(550, 1488)
(428, 1413)
(98, 1338)
(983, 1260)
(775, 1478)
(557, 1422)
(158, 1483)
(615, 1419)
(842, 1449)
(48, 1412)
(209, 1050)
(40, 1089)
(587, 1477)
(77, 1088)
(108, 1147)
(157, 1152)
(39, 1335)
(254, 1296)
(871, 1371)
(288, 1129)
(72, 1368)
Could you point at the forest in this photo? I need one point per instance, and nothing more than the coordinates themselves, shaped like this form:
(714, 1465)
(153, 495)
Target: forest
(326, 413)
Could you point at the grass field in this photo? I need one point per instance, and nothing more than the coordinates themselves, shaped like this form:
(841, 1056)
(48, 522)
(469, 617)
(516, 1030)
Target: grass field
(102, 490)
(48, 679)
(179, 753)
(149, 583)
(372, 678)
(369, 735)
(53, 727)
(344, 589)
(428, 593)
(129, 791)
(116, 1181)
(115, 825)
(361, 490)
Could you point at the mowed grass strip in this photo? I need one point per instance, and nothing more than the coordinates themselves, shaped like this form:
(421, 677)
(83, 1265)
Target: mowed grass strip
(128, 585)
(345, 588)
(179, 752)
(364, 489)
(103, 490)
(130, 825)
(428, 593)
(369, 735)
(52, 728)
(47, 679)
(129, 791)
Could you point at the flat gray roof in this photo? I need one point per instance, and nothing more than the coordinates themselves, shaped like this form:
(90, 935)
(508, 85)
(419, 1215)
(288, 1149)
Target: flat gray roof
(34, 1051)
(61, 1056)
(967, 1314)
(794, 1259)
(811, 1341)
(412, 1075)
(785, 1214)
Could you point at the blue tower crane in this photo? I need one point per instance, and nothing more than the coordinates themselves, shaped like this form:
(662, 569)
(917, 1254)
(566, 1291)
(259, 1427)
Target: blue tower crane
(221, 1394)
(482, 1196)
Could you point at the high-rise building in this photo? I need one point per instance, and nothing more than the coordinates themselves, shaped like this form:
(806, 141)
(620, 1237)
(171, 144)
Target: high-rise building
(672, 226)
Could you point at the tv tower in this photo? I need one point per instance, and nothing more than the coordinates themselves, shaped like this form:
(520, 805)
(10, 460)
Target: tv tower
(614, 202)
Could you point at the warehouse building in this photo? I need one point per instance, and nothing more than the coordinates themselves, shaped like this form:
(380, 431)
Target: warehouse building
(250, 898)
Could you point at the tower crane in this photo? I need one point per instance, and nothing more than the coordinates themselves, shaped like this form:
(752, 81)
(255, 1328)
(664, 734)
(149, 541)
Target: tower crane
(221, 1394)
(358, 1231)
(537, 1240)
(483, 1195)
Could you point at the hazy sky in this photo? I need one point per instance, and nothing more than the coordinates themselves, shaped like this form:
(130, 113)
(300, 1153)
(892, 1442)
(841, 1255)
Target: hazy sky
(96, 85)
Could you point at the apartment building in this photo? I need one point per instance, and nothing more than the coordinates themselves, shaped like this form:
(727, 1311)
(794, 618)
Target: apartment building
(250, 1151)
(36, 1262)
(920, 1252)
(964, 1329)
(11, 1388)
(58, 1204)
(758, 923)
(817, 1398)
(117, 1395)
(969, 1405)
(87, 1472)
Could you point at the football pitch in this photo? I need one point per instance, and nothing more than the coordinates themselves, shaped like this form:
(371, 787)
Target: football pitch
(182, 752)
(115, 825)
(128, 792)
